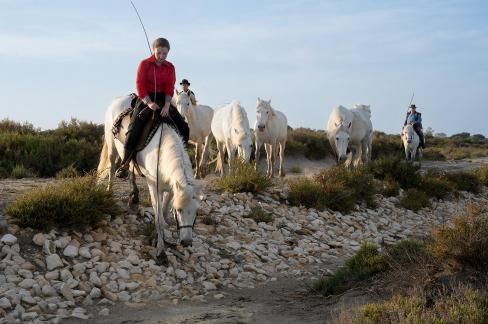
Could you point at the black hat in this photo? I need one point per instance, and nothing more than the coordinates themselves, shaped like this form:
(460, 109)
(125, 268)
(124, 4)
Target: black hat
(413, 106)
(184, 81)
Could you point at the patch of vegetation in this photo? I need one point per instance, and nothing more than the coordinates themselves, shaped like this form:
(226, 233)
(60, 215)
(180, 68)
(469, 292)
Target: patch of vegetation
(482, 174)
(259, 215)
(465, 242)
(310, 143)
(68, 204)
(68, 172)
(436, 185)
(306, 192)
(296, 169)
(415, 199)
(397, 169)
(464, 181)
(242, 177)
(388, 187)
(463, 305)
(208, 220)
(19, 172)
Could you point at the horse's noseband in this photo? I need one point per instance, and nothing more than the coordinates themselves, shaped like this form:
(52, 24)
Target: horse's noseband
(178, 226)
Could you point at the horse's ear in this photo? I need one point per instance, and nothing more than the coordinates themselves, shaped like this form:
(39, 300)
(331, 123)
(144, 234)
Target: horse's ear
(177, 93)
(350, 124)
(269, 102)
(259, 99)
(235, 130)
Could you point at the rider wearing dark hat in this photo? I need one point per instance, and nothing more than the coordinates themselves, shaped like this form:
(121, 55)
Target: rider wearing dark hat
(155, 83)
(415, 118)
(185, 86)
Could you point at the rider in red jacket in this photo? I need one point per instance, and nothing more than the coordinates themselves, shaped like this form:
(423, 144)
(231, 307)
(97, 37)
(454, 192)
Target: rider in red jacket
(155, 86)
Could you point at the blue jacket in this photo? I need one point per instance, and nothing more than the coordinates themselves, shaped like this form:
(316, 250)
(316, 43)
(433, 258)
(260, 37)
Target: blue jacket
(413, 118)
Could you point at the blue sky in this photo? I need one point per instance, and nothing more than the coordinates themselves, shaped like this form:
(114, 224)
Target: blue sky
(63, 59)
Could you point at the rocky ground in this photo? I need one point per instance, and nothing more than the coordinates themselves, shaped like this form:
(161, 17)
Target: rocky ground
(237, 270)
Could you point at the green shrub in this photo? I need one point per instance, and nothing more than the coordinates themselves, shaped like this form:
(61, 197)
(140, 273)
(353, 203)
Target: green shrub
(342, 187)
(388, 188)
(68, 172)
(482, 174)
(296, 169)
(309, 143)
(208, 220)
(415, 199)
(368, 262)
(395, 168)
(3, 173)
(462, 305)
(466, 240)
(306, 192)
(242, 177)
(19, 172)
(436, 186)
(259, 215)
(70, 203)
(464, 181)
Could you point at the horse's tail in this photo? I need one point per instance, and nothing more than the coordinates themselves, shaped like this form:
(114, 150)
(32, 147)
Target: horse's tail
(103, 166)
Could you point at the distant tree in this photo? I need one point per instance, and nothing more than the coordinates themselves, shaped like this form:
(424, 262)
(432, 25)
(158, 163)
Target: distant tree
(461, 135)
(429, 132)
(478, 137)
(441, 135)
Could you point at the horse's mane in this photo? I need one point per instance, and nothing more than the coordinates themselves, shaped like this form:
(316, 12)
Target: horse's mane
(238, 113)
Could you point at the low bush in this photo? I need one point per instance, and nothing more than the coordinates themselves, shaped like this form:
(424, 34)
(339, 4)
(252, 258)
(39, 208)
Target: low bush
(242, 177)
(68, 172)
(415, 199)
(464, 181)
(306, 192)
(71, 204)
(259, 215)
(388, 187)
(482, 174)
(465, 241)
(395, 168)
(309, 143)
(463, 305)
(436, 185)
(19, 172)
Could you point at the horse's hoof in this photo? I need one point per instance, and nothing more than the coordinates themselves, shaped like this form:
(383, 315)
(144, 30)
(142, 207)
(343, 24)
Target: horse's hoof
(162, 259)
(282, 174)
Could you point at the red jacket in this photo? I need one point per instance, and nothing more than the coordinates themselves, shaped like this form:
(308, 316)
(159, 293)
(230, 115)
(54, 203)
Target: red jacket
(165, 77)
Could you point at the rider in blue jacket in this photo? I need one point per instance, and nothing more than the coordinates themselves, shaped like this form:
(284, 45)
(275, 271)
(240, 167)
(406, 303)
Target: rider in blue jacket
(415, 118)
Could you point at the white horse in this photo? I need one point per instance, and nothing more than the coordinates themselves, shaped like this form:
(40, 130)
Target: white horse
(270, 129)
(351, 128)
(199, 119)
(176, 183)
(230, 128)
(411, 142)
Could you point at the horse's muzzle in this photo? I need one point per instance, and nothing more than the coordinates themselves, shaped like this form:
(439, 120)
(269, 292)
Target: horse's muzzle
(187, 243)
(261, 127)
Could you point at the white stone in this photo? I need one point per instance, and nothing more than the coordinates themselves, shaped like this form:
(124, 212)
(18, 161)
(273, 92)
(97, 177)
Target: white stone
(104, 312)
(39, 239)
(70, 251)
(8, 239)
(5, 303)
(53, 261)
(95, 293)
(209, 285)
(85, 252)
(180, 274)
(27, 283)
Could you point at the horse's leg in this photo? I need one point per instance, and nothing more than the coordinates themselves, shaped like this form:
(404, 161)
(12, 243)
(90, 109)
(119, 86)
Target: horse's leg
(206, 150)
(220, 147)
(134, 194)
(282, 157)
(231, 153)
(350, 160)
(197, 157)
(407, 152)
(112, 156)
(161, 258)
(421, 150)
(258, 152)
(269, 153)
(364, 150)
(274, 154)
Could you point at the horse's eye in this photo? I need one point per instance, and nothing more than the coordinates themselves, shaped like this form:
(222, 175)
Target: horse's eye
(337, 138)
(179, 210)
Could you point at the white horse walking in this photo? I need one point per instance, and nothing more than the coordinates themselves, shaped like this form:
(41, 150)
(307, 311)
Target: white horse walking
(351, 128)
(176, 183)
(230, 128)
(270, 129)
(411, 143)
(199, 119)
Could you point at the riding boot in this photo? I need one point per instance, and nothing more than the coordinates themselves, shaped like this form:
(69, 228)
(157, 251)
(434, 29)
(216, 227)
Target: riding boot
(422, 140)
(135, 127)
(123, 171)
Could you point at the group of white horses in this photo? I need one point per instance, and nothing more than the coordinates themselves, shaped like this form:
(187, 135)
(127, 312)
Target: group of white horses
(168, 171)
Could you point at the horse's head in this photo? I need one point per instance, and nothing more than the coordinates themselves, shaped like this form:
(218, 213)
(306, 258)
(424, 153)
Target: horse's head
(183, 103)
(185, 206)
(263, 113)
(408, 134)
(341, 139)
(243, 142)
